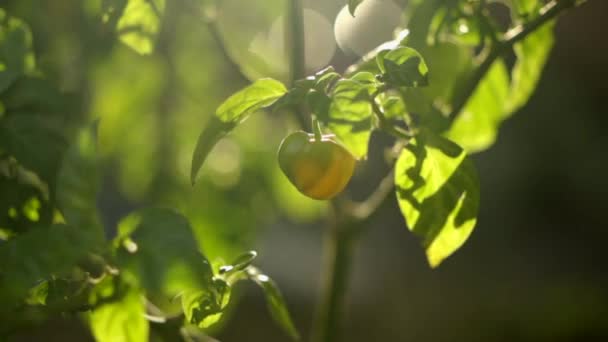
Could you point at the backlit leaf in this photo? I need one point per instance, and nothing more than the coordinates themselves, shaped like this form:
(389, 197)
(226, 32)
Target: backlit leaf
(140, 24)
(120, 321)
(157, 249)
(350, 116)
(262, 93)
(438, 194)
(403, 67)
(476, 127)
(532, 54)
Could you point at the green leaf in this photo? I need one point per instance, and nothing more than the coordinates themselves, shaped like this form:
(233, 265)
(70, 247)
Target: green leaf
(204, 308)
(352, 6)
(35, 141)
(120, 321)
(34, 95)
(476, 127)
(262, 93)
(403, 67)
(140, 24)
(393, 107)
(350, 116)
(157, 250)
(38, 254)
(532, 54)
(438, 194)
(525, 9)
(276, 302)
(16, 52)
(78, 184)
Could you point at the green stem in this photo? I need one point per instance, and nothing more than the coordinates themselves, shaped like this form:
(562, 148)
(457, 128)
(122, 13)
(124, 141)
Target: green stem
(550, 11)
(295, 41)
(337, 265)
(295, 38)
(316, 128)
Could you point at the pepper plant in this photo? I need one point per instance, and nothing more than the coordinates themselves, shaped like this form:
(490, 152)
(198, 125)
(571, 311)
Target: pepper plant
(440, 90)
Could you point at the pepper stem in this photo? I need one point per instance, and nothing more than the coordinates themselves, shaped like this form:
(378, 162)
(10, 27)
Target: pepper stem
(316, 128)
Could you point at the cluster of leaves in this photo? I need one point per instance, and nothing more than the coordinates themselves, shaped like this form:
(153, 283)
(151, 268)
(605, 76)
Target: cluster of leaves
(425, 88)
(443, 87)
(56, 255)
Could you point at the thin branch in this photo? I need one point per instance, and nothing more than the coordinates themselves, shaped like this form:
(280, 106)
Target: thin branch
(211, 25)
(363, 211)
(550, 11)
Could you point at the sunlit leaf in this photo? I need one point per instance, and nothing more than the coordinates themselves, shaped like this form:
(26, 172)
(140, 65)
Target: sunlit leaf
(350, 116)
(276, 302)
(156, 247)
(476, 126)
(37, 255)
(204, 308)
(438, 194)
(532, 54)
(262, 93)
(140, 23)
(122, 320)
(393, 107)
(403, 66)
(78, 183)
(16, 53)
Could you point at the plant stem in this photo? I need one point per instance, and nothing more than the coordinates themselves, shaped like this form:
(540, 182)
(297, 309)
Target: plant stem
(337, 264)
(297, 58)
(550, 11)
(295, 38)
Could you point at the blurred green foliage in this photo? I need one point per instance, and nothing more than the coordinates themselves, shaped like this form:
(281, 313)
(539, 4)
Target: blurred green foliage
(103, 101)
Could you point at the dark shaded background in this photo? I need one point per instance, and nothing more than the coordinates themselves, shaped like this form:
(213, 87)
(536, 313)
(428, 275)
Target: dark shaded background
(533, 270)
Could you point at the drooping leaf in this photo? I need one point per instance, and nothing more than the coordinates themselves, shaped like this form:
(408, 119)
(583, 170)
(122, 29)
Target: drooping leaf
(140, 24)
(438, 194)
(276, 302)
(157, 249)
(403, 67)
(262, 93)
(16, 52)
(350, 116)
(38, 254)
(204, 308)
(476, 126)
(121, 320)
(532, 54)
(352, 6)
(78, 184)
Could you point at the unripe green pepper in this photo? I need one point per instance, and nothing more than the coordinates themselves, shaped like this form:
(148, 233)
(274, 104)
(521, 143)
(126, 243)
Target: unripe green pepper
(319, 169)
